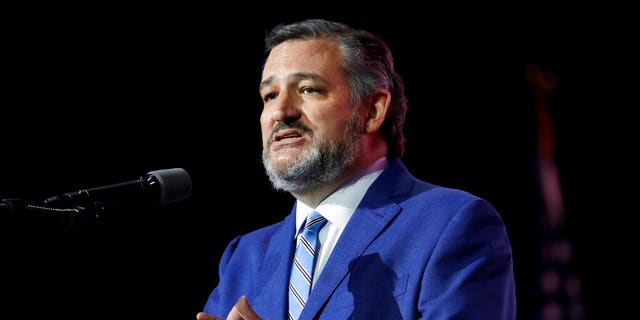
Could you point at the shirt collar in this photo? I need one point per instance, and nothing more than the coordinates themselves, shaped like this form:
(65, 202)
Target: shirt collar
(339, 206)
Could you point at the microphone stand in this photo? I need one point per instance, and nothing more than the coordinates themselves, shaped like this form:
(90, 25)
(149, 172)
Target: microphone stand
(70, 215)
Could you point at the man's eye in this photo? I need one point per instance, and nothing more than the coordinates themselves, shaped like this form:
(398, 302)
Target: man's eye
(308, 90)
(269, 96)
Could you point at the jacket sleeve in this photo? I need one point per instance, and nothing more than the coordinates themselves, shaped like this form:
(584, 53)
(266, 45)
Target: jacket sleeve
(470, 274)
(218, 302)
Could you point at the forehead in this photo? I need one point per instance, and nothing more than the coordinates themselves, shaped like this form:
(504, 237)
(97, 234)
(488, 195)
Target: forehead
(320, 56)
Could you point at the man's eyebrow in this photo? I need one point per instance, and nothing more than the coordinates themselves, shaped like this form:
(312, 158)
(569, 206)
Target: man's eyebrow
(307, 75)
(266, 82)
(296, 76)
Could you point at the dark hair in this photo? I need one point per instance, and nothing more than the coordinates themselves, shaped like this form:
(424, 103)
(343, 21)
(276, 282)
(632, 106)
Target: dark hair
(367, 64)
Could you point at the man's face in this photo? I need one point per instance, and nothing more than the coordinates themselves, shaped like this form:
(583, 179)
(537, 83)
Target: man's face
(309, 127)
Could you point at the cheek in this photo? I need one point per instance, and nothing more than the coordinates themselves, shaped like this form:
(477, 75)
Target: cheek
(265, 124)
(263, 121)
(331, 125)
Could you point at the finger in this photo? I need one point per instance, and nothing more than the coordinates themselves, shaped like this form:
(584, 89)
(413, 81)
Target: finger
(234, 314)
(242, 311)
(206, 316)
(245, 309)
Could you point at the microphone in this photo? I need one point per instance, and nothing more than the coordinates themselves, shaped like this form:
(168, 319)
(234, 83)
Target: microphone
(157, 187)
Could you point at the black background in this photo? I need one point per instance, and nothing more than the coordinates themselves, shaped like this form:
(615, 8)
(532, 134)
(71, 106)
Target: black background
(103, 94)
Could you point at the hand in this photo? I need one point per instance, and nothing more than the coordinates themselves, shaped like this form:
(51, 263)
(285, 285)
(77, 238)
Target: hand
(206, 316)
(241, 311)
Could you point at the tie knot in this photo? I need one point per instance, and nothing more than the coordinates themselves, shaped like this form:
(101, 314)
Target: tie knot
(315, 221)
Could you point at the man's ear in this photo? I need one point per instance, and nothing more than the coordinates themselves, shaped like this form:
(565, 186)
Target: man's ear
(377, 108)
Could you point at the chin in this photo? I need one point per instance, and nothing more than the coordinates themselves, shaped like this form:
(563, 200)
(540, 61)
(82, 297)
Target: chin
(285, 158)
(281, 164)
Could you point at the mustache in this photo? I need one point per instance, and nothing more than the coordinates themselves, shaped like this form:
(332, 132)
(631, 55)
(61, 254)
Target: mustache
(290, 125)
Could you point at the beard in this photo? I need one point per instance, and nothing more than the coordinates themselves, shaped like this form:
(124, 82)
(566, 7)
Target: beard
(323, 162)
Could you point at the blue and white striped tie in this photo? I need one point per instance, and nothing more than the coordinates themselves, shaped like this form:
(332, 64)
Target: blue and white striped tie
(303, 264)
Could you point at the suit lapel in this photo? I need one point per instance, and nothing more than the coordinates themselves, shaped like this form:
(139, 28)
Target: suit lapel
(272, 288)
(375, 211)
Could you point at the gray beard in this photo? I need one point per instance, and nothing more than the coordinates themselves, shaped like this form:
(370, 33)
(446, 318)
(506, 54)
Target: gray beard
(324, 161)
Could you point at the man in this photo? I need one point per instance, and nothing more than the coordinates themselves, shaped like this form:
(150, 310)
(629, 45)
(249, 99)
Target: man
(393, 247)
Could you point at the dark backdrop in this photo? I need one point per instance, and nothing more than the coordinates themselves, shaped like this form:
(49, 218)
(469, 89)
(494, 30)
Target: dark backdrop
(98, 95)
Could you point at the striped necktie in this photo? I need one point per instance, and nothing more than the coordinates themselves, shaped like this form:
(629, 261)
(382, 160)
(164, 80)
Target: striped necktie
(303, 264)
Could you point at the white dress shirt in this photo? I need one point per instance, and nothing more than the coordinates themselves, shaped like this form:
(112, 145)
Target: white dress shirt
(338, 208)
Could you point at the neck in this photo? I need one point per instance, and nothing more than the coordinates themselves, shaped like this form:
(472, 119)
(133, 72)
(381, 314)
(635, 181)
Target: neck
(315, 196)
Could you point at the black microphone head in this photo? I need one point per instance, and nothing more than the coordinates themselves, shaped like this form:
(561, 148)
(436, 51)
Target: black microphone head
(175, 184)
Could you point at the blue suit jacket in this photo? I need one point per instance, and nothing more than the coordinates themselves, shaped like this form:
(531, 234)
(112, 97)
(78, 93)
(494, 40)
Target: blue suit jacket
(412, 250)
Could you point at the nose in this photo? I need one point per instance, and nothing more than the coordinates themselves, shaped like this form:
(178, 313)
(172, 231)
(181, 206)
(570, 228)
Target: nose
(285, 108)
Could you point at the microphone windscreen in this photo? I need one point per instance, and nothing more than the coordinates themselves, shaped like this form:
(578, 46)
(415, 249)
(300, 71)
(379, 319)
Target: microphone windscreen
(175, 184)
